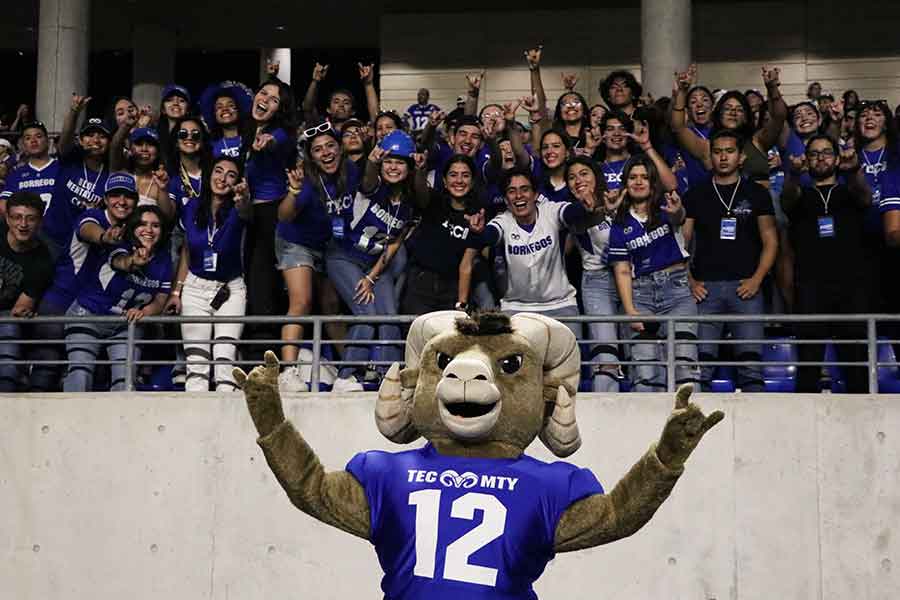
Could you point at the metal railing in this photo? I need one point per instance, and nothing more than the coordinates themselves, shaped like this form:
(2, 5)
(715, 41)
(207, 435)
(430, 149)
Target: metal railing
(317, 323)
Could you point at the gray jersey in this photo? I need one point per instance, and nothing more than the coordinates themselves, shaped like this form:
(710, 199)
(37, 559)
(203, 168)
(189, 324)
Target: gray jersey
(536, 271)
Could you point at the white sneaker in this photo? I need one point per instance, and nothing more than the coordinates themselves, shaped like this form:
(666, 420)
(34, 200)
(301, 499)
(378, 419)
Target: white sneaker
(350, 384)
(328, 374)
(289, 380)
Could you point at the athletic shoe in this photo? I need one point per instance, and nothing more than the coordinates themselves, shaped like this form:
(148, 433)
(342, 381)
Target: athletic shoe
(350, 384)
(290, 381)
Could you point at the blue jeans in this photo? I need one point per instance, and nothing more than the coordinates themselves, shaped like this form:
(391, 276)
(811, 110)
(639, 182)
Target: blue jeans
(345, 271)
(84, 343)
(664, 293)
(9, 350)
(722, 299)
(600, 297)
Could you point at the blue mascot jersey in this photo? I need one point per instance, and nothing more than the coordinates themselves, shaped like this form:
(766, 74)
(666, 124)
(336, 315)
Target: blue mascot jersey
(475, 528)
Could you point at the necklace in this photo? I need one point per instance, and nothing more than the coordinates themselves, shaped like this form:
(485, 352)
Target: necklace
(733, 194)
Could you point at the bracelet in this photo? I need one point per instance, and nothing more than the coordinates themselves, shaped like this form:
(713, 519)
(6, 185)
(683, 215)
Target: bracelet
(179, 284)
(293, 190)
(370, 280)
(176, 293)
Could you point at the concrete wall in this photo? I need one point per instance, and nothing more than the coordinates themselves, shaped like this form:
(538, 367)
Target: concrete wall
(141, 496)
(840, 44)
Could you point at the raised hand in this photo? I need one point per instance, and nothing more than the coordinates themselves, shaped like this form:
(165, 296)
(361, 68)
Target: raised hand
(79, 103)
(112, 235)
(319, 72)
(476, 221)
(22, 111)
(295, 176)
(145, 116)
(533, 57)
(612, 199)
(569, 81)
(771, 76)
(673, 203)
(272, 67)
(261, 392)
(262, 141)
(509, 110)
(436, 117)
(241, 191)
(489, 129)
(378, 154)
(161, 177)
(366, 73)
(140, 257)
(592, 138)
(421, 160)
(530, 103)
(849, 159)
(836, 110)
(641, 135)
(685, 427)
(475, 81)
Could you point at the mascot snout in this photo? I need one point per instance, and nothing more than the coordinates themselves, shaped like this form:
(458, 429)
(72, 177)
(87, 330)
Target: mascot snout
(468, 399)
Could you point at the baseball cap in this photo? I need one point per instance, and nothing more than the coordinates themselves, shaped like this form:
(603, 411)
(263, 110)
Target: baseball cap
(121, 181)
(460, 99)
(35, 125)
(352, 123)
(144, 133)
(173, 89)
(94, 124)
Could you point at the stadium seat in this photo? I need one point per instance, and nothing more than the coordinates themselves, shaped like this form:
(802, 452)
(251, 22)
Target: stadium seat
(723, 380)
(888, 377)
(780, 378)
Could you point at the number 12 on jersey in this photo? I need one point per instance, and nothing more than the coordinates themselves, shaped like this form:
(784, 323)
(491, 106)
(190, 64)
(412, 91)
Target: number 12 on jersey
(456, 556)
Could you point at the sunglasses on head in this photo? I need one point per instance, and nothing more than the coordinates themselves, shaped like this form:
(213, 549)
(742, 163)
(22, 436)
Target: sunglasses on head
(194, 136)
(321, 128)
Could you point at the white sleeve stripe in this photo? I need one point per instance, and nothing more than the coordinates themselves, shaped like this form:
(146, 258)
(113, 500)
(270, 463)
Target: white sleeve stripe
(498, 227)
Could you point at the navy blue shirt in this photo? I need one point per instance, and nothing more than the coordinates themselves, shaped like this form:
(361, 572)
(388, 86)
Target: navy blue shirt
(372, 223)
(224, 241)
(26, 178)
(648, 250)
(106, 291)
(266, 169)
(227, 146)
(76, 189)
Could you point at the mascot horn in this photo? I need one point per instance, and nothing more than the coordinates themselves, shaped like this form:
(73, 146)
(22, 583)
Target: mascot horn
(469, 514)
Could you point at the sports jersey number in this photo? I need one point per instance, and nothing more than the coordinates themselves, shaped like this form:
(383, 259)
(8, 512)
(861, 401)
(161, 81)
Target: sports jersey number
(456, 557)
(46, 198)
(139, 300)
(371, 240)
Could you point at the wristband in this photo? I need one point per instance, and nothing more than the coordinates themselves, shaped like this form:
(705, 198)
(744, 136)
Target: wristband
(293, 190)
(179, 284)
(370, 280)
(176, 293)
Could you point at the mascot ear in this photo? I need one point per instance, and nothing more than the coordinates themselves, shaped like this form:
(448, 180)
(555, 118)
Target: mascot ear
(393, 408)
(562, 368)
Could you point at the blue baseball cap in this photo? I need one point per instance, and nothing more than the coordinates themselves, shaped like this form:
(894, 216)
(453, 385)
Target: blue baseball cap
(94, 124)
(237, 91)
(173, 89)
(121, 181)
(144, 133)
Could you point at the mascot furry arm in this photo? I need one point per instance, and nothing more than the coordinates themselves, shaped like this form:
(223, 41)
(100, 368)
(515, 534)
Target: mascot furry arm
(479, 389)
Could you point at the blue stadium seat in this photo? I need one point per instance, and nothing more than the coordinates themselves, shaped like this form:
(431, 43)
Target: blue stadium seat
(888, 377)
(779, 378)
(837, 382)
(723, 380)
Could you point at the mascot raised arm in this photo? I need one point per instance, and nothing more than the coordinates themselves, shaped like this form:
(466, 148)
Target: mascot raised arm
(469, 515)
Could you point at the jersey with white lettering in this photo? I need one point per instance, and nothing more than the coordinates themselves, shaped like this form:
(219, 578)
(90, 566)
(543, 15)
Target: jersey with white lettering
(106, 291)
(594, 245)
(418, 114)
(76, 190)
(877, 169)
(446, 527)
(27, 178)
(372, 223)
(181, 195)
(613, 172)
(72, 260)
(535, 269)
(648, 251)
(229, 147)
(890, 192)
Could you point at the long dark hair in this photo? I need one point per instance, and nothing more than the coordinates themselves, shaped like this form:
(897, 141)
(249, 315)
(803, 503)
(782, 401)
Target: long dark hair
(134, 221)
(654, 208)
(215, 130)
(558, 122)
(173, 155)
(466, 160)
(595, 168)
(892, 152)
(313, 175)
(747, 129)
(284, 118)
(204, 211)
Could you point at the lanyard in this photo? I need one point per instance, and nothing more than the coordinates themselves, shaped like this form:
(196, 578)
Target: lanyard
(865, 155)
(826, 199)
(327, 193)
(611, 170)
(699, 132)
(211, 230)
(733, 194)
(99, 174)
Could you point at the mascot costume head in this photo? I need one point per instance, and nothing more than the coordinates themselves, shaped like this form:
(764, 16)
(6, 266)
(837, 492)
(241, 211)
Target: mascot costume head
(469, 514)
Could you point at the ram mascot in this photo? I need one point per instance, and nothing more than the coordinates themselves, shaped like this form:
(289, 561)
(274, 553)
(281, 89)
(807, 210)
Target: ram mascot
(469, 515)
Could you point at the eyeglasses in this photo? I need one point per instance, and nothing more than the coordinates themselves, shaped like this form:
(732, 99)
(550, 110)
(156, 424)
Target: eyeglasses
(321, 128)
(491, 115)
(194, 135)
(819, 154)
(572, 104)
(348, 131)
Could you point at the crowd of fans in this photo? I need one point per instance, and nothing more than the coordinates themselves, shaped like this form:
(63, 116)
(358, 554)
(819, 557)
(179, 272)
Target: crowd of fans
(706, 202)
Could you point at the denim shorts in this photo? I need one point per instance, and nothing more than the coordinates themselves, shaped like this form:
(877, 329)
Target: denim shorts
(291, 256)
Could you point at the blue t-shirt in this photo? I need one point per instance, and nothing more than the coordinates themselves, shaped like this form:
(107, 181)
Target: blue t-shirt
(648, 251)
(227, 146)
(418, 114)
(447, 528)
(545, 187)
(890, 192)
(696, 172)
(877, 167)
(106, 291)
(265, 170)
(72, 261)
(26, 178)
(319, 218)
(77, 189)
(372, 223)
(215, 251)
(613, 172)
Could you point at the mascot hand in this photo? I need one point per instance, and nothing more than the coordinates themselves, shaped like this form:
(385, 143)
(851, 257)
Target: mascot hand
(261, 391)
(683, 430)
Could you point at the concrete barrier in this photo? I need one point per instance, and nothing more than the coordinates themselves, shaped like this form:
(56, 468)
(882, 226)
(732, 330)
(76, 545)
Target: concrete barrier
(140, 496)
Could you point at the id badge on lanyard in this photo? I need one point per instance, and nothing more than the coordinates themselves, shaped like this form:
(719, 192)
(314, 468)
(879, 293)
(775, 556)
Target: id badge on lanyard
(210, 260)
(728, 228)
(826, 226)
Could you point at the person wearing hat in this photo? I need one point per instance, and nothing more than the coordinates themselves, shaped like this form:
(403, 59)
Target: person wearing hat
(143, 159)
(353, 141)
(99, 228)
(131, 277)
(225, 108)
(38, 173)
(363, 262)
(174, 105)
(318, 194)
